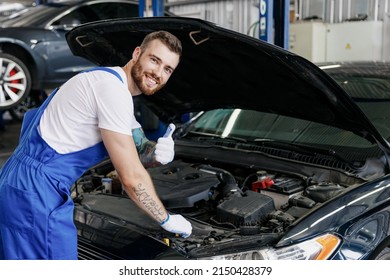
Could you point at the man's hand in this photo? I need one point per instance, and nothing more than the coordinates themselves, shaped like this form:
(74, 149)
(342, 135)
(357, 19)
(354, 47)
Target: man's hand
(177, 224)
(165, 147)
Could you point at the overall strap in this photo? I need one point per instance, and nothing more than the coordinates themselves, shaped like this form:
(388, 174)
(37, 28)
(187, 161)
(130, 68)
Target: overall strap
(107, 70)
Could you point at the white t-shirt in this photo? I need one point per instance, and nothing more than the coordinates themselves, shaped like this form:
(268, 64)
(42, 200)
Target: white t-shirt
(84, 104)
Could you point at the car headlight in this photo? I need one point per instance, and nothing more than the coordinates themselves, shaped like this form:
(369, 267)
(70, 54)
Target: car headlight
(318, 248)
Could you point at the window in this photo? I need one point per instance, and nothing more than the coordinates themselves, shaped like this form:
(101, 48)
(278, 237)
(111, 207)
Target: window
(100, 11)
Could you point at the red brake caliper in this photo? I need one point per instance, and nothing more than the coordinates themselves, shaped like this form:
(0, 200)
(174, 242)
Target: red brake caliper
(13, 72)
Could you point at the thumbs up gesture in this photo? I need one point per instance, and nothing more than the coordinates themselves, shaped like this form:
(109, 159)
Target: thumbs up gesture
(165, 147)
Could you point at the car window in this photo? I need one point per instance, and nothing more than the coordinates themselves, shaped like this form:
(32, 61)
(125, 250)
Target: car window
(78, 16)
(114, 10)
(96, 12)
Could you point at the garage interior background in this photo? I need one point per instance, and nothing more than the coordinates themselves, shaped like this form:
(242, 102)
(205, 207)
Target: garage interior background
(319, 30)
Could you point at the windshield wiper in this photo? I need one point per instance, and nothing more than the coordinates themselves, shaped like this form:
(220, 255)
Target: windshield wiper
(219, 137)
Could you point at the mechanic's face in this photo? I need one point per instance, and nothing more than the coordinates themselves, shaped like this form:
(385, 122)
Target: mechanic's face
(153, 67)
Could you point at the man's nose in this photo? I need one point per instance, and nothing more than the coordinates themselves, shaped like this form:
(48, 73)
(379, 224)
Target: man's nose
(158, 71)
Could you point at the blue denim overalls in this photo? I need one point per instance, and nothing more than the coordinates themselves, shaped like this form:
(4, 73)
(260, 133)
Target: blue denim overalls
(36, 209)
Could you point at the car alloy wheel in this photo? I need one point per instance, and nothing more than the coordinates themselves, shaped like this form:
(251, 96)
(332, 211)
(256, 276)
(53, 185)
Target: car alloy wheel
(15, 81)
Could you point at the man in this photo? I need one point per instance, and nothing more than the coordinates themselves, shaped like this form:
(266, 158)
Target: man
(89, 117)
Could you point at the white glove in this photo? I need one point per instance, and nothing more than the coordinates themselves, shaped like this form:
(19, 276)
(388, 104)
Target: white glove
(177, 224)
(165, 147)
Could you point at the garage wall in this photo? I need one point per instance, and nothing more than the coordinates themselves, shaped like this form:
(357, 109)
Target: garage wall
(349, 41)
(386, 38)
(238, 15)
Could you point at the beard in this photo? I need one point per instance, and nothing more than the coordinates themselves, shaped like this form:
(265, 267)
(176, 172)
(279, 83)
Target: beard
(137, 73)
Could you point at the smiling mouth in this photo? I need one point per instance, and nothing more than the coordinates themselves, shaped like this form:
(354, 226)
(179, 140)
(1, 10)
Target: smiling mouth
(151, 82)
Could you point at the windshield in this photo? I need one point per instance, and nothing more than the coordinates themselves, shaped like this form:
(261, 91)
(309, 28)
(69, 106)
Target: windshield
(372, 94)
(31, 16)
(258, 126)
(368, 83)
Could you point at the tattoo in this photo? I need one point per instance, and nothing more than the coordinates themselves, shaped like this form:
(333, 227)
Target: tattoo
(139, 138)
(156, 210)
(145, 148)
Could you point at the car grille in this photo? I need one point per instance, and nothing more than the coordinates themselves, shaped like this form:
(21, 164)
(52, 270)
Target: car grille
(87, 251)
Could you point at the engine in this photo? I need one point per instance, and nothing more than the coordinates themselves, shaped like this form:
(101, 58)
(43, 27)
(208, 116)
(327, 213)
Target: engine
(248, 202)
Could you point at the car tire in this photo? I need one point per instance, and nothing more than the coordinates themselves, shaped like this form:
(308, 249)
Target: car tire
(15, 81)
(384, 254)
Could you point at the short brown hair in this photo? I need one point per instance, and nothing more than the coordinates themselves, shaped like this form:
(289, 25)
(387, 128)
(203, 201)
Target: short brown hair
(168, 39)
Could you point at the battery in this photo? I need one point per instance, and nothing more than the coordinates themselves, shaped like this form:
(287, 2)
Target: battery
(282, 190)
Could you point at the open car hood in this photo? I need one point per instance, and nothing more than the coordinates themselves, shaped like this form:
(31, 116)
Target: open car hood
(221, 68)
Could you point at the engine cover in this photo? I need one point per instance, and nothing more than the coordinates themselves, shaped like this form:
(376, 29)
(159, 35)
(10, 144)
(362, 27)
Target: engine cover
(179, 184)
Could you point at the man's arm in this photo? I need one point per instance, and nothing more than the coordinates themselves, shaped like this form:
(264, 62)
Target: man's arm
(138, 184)
(132, 174)
(145, 147)
(152, 153)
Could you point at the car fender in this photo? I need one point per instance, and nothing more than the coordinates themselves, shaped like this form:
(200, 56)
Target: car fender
(37, 58)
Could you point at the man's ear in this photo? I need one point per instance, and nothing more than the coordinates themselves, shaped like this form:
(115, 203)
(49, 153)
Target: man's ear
(136, 53)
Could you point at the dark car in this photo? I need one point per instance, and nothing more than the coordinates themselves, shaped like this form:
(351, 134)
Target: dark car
(34, 54)
(279, 160)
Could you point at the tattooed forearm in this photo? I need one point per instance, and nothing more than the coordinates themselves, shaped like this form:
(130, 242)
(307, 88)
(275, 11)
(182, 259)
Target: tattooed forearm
(147, 155)
(145, 148)
(154, 208)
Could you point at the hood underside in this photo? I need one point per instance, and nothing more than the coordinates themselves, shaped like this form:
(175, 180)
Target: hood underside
(221, 68)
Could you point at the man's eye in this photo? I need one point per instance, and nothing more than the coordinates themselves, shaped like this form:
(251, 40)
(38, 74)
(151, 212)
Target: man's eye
(168, 70)
(153, 60)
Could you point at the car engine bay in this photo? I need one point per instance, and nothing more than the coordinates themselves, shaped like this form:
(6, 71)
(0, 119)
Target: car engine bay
(223, 201)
